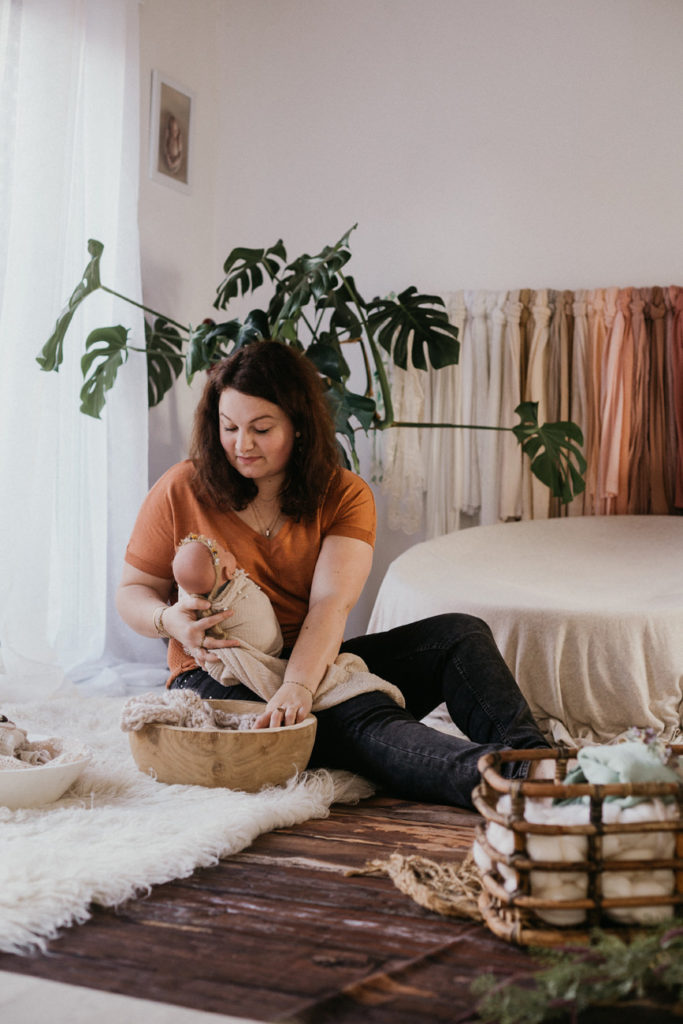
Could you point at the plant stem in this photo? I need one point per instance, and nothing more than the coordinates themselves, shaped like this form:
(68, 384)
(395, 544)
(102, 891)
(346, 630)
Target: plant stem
(147, 309)
(312, 329)
(428, 426)
(452, 426)
(275, 328)
(379, 365)
(156, 352)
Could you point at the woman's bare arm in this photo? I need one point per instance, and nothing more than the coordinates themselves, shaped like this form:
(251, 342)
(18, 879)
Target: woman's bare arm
(341, 571)
(140, 595)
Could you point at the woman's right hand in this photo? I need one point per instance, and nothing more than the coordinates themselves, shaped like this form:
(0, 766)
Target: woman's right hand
(138, 599)
(181, 621)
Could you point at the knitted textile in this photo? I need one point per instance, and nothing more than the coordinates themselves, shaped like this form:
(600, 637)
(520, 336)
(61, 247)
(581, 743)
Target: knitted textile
(179, 707)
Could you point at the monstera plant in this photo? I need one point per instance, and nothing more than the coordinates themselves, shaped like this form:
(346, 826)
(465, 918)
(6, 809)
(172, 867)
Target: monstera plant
(315, 306)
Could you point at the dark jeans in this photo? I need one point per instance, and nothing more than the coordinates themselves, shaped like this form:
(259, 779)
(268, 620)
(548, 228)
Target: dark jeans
(451, 658)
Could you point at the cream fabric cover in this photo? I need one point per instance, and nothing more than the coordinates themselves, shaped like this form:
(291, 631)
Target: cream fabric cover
(588, 614)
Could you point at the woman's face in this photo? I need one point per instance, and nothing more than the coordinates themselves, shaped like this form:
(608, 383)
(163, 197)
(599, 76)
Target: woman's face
(256, 435)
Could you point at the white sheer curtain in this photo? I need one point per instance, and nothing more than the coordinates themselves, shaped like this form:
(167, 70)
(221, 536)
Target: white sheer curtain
(70, 485)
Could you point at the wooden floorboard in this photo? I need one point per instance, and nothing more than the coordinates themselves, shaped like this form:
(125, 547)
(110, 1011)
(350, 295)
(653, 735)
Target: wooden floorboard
(281, 932)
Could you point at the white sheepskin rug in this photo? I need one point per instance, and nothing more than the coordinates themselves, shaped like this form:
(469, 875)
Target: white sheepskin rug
(117, 832)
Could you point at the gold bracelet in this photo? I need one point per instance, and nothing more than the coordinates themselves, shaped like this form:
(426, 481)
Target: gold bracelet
(293, 682)
(158, 620)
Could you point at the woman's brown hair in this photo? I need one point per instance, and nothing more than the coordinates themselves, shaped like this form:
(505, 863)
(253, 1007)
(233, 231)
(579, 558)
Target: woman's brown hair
(279, 374)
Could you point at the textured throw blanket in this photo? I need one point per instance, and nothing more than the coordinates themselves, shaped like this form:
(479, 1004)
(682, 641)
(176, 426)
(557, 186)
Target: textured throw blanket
(256, 663)
(117, 832)
(347, 677)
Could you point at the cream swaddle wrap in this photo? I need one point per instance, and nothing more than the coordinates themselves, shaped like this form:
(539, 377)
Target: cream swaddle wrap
(256, 664)
(253, 621)
(623, 762)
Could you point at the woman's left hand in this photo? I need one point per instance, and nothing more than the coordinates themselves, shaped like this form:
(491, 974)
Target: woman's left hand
(289, 705)
(206, 655)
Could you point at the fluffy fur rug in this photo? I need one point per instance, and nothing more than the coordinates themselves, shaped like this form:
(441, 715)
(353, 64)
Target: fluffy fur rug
(117, 832)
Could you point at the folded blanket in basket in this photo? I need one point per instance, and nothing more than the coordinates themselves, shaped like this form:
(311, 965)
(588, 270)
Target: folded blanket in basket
(631, 761)
(623, 762)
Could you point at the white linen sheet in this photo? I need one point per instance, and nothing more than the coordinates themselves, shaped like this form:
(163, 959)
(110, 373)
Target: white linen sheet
(587, 612)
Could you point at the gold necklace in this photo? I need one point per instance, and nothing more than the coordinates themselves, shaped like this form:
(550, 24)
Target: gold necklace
(262, 528)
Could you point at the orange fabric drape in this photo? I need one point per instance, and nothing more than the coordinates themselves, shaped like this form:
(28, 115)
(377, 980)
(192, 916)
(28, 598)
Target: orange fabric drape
(610, 359)
(676, 336)
(637, 466)
(633, 339)
(660, 490)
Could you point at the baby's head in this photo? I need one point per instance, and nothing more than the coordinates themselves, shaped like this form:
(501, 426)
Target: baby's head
(199, 563)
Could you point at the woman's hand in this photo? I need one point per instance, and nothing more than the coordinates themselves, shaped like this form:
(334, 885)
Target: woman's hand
(290, 704)
(139, 598)
(181, 622)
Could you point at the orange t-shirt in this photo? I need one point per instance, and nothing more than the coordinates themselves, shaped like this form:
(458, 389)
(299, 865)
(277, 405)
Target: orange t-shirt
(283, 566)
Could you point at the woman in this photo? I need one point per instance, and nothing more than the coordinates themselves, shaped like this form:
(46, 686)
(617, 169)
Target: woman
(263, 478)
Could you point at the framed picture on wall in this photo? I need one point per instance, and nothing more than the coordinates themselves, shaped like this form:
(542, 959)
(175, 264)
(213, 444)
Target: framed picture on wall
(170, 133)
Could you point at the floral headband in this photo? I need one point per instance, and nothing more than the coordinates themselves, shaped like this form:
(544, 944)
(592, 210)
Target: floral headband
(206, 541)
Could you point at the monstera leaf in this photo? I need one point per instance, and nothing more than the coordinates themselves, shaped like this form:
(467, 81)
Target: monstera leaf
(345, 406)
(553, 449)
(164, 348)
(345, 303)
(210, 341)
(52, 352)
(326, 355)
(105, 351)
(422, 316)
(246, 270)
(254, 328)
(308, 279)
(204, 345)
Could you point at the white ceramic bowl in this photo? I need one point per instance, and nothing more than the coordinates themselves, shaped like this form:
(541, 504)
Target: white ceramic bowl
(39, 784)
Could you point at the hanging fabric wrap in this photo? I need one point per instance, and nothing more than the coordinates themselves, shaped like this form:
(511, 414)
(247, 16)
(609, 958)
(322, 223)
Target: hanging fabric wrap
(610, 359)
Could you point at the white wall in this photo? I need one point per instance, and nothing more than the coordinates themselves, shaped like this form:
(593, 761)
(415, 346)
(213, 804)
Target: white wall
(179, 269)
(478, 143)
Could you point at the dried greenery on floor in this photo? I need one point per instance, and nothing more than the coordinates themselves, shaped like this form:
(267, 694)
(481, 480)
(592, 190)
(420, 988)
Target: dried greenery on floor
(609, 972)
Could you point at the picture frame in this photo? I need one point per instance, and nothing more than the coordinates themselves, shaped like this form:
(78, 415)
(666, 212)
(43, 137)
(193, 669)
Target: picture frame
(170, 133)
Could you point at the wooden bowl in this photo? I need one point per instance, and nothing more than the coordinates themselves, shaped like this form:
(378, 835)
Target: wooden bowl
(245, 760)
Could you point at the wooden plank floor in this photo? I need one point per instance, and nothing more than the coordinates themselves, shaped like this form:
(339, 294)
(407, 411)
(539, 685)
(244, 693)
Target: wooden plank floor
(281, 933)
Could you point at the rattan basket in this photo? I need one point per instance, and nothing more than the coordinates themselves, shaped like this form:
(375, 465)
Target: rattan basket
(519, 915)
